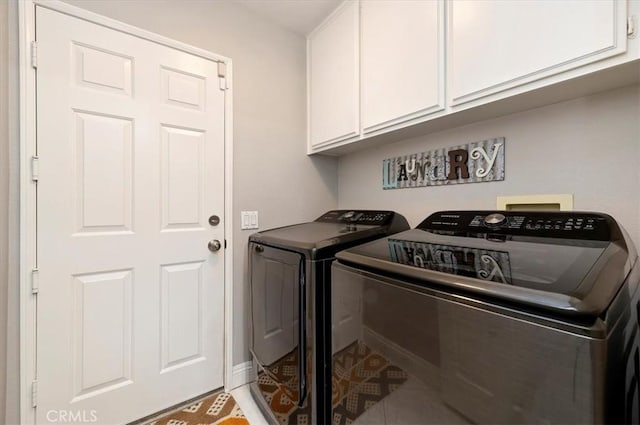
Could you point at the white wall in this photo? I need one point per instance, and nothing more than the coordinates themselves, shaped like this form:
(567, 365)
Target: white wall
(589, 147)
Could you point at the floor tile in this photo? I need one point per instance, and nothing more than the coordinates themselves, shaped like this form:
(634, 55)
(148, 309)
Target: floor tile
(372, 416)
(415, 403)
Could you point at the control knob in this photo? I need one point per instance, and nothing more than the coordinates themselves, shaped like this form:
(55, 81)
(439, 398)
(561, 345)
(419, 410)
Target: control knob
(494, 220)
(348, 215)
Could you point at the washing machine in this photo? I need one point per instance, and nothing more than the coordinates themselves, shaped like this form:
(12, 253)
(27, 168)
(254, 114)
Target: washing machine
(290, 281)
(487, 317)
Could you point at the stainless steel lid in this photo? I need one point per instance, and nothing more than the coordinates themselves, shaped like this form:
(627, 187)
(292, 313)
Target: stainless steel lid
(571, 273)
(334, 230)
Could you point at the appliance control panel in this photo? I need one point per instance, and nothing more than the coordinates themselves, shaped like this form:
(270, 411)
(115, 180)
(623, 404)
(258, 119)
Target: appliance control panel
(551, 224)
(374, 218)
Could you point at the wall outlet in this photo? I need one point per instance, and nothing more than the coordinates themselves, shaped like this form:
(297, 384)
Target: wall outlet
(248, 220)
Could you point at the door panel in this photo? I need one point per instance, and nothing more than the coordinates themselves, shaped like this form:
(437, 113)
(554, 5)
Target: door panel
(182, 178)
(104, 146)
(181, 299)
(103, 356)
(130, 140)
(274, 298)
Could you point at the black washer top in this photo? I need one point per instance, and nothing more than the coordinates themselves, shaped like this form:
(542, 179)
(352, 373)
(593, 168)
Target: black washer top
(570, 263)
(332, 231)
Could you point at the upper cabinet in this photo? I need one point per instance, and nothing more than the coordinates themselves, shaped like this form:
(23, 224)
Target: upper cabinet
(373, 65)
(498, 45)
(383, 70)
(401, 61)
(332, 75)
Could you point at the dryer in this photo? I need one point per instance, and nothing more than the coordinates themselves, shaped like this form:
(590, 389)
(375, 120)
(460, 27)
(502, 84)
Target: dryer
(290, 280)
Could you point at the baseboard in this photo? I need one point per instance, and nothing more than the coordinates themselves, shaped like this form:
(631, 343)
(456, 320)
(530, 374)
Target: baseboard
(241, 374)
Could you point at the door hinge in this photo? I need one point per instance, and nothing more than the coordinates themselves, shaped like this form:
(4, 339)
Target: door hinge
(34, 393)
(34, 54)
(35, 168)
(35, 281)
(222, 74)
(631, 26)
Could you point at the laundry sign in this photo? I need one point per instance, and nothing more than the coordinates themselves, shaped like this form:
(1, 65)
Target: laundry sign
(471, 163)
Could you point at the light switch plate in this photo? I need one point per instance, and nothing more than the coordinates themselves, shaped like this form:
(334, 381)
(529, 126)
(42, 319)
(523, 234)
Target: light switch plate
(248, 220)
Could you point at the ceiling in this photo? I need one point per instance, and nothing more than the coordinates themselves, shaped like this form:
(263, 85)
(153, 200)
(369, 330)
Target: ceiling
(299, 16)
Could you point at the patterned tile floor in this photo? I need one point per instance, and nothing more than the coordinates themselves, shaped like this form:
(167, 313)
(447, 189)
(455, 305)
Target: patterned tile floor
(216, 409)
(361, 378)
(414, 403)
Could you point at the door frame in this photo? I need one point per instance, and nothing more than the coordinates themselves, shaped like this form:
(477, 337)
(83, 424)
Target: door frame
(28, 247)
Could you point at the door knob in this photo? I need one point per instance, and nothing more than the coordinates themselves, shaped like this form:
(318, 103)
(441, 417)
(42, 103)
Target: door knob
(214, 245)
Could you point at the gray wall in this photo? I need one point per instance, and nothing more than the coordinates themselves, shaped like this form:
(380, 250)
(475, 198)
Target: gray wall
(589, 147)
(4, 197)
(9, 168)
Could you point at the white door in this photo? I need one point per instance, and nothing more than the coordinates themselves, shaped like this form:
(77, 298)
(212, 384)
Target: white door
(130, 145)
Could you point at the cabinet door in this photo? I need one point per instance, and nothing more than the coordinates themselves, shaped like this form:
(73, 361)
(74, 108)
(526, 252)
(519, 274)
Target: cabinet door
(333, 77)
(496, 45)
(402, 61)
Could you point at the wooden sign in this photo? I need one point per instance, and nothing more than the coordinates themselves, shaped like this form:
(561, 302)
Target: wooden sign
(471, 163)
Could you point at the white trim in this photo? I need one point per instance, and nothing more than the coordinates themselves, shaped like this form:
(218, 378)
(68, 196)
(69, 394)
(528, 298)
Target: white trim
(26, 25)
(242, 374)
(310, 147)
(228, 228)
(27, 106)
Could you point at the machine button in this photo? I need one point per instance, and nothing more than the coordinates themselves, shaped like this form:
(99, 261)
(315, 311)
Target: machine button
(348, 215)
(494, 219)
